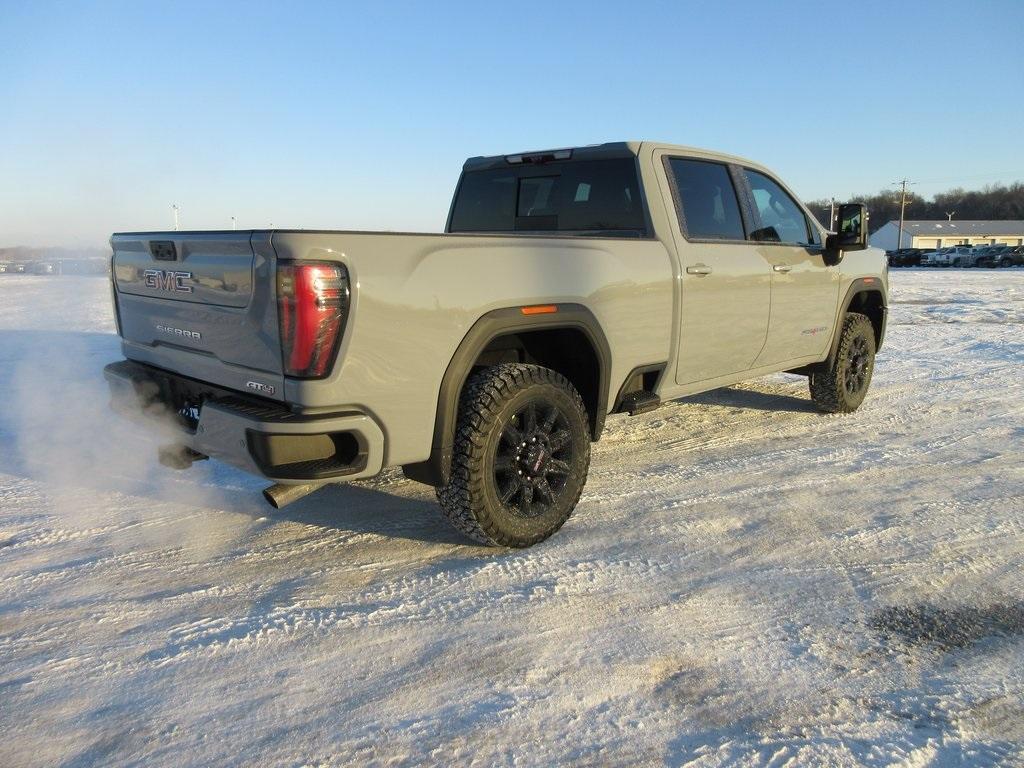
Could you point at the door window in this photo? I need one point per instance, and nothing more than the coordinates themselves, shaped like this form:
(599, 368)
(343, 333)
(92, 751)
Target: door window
(707, 197)
(781, 219)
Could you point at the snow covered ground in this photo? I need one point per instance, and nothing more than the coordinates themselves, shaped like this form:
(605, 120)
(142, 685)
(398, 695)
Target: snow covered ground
(745, 582)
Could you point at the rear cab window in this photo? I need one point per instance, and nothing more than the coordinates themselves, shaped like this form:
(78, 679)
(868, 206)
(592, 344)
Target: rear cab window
(598, 197)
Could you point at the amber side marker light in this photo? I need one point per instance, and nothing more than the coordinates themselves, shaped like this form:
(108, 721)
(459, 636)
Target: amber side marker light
(539, 309)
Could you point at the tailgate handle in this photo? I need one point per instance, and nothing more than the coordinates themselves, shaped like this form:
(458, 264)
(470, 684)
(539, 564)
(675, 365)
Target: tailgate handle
(163, 250)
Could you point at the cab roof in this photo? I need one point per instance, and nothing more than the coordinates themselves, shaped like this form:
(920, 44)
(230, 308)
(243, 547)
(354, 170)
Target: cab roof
(611, 149)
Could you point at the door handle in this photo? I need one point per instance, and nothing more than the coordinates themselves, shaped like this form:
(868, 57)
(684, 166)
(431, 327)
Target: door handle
(698, 269)
(782, 268)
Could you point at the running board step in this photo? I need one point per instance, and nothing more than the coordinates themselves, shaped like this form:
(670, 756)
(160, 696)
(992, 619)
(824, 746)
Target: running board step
(640, 402)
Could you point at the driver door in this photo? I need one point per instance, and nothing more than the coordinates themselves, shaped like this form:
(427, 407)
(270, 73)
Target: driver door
(805, 290)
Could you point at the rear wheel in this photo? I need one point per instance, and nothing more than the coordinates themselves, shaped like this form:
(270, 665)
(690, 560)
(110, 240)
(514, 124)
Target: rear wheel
(520, 458)
(840, 385)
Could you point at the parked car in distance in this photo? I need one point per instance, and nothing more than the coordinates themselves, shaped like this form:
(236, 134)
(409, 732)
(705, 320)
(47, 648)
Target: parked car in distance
(938, 257)
(17, 267)
(3, 266)
(964, 256)
(989, 255)
(954, 256)
(1013, 257)
(905, 257)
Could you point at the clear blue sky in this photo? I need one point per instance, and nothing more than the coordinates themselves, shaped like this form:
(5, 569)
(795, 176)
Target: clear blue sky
(359, 115)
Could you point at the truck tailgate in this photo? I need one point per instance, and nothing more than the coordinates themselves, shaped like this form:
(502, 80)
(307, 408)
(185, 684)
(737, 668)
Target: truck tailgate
(201, 304)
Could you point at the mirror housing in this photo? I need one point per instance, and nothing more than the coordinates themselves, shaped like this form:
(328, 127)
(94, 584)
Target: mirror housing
(853, 232)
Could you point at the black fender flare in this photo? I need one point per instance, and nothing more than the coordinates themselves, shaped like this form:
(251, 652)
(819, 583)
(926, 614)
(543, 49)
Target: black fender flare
(860, 285)
(502, 322)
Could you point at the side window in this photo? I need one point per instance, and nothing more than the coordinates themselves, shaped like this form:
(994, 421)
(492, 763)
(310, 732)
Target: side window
(706, 194)
(781, 219)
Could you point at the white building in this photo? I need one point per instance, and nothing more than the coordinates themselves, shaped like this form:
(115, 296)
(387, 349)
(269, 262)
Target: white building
(937, 234)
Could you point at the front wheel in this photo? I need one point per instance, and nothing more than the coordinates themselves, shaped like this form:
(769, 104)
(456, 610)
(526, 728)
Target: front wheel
(520, 458)
(840, 385)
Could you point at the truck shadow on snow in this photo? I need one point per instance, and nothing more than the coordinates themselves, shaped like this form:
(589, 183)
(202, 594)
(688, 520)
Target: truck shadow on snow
(360, 509)
(735, 397)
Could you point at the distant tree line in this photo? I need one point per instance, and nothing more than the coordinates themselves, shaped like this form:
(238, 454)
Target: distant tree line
(26, 253)
(997, 202)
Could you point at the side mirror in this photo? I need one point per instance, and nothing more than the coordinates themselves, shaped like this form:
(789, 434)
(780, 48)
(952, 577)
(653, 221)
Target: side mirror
(852, 234)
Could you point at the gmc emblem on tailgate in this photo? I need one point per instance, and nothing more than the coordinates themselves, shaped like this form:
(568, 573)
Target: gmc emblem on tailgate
(167, 280)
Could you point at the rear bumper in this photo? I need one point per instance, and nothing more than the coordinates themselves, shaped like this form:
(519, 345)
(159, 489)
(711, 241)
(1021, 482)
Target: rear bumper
(258, 436)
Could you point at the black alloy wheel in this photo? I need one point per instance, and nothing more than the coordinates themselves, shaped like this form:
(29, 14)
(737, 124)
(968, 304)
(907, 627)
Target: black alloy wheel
(857, 371)
(520, 456)
(533, 459)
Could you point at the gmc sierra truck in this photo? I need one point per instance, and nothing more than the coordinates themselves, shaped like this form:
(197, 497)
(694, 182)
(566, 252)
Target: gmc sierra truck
(568, 285)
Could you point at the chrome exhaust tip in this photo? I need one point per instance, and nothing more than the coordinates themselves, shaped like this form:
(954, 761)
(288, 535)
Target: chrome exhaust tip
(280, 495)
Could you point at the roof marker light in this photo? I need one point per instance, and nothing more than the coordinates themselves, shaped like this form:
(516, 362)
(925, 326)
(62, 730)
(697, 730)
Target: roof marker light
(538, 157)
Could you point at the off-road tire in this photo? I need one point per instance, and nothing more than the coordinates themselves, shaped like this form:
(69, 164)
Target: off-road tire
(830, 382)
(493, 409)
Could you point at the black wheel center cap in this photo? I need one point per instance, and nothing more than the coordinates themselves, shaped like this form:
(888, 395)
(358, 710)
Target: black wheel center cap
(535, 456)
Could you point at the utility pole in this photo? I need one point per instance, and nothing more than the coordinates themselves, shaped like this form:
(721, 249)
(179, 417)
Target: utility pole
(232, 222)
(903, 204)
(174, 208)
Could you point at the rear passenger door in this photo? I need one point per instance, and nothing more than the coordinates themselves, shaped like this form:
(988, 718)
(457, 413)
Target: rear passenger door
(725, 279)
(805, 291)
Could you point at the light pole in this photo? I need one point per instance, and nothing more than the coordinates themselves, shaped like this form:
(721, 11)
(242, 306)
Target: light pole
(174, 209)
(232, 222)
(949, 215)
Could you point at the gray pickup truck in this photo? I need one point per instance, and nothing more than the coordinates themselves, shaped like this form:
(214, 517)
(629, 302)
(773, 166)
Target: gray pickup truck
(568, 285)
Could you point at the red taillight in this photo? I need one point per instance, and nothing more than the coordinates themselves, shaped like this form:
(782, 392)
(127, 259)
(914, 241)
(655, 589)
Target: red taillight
(312, 304)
